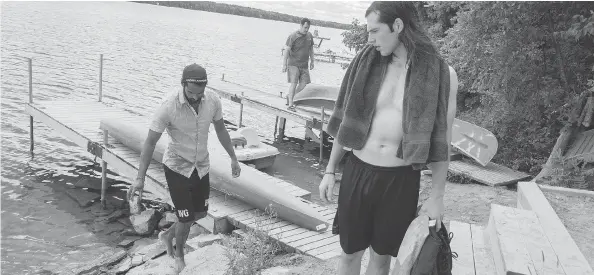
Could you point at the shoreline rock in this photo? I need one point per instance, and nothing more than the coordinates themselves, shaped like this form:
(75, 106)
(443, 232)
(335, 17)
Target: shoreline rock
(146, 222)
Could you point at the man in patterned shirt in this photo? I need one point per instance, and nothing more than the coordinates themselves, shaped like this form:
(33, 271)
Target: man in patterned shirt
(186, 116)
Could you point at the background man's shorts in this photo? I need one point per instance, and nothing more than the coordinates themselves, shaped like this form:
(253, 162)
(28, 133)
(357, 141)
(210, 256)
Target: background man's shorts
(375, 206)
(298, 75)
(189, 195)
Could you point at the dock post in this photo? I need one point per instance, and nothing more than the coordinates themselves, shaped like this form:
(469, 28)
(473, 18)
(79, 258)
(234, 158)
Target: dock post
(281, 128)
(104, 173)
(30, 102)
(275, 127)
(322, 136)
(100, 77)
(240, 112)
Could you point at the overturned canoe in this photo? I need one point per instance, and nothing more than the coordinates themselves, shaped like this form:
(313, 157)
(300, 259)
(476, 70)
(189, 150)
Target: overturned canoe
(253, 187)
(316, 96)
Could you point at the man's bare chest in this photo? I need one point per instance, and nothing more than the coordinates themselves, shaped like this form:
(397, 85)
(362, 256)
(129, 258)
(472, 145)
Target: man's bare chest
(391, 94)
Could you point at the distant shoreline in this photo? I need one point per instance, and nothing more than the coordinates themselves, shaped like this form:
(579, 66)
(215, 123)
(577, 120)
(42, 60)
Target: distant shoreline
(243, 11)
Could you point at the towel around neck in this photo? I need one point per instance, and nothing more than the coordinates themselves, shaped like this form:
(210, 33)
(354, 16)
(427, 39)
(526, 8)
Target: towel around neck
(424, 117)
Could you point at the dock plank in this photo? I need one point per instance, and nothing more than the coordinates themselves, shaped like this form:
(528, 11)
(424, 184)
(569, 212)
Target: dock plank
(483, 258)
(462, 245)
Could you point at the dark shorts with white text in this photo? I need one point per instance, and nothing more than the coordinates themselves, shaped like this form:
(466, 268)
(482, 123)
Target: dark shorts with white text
(189, 195)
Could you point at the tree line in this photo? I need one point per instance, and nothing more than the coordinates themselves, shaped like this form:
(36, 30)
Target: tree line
(523, 68)
(242, 11)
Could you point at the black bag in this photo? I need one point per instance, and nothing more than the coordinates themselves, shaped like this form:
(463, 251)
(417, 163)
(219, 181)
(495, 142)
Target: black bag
(435, 257)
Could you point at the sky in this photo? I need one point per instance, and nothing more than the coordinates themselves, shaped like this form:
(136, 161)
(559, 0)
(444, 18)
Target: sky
(336, 11)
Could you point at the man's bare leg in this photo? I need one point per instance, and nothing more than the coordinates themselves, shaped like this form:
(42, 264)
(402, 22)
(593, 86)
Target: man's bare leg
(182, 229)
(350, 264)
(182, 232)
(300, 88)
(167, 238)
(378, 264)
(291, 94)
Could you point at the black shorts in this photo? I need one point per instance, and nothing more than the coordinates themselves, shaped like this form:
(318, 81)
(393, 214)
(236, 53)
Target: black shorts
(189, 195)
(375, 206)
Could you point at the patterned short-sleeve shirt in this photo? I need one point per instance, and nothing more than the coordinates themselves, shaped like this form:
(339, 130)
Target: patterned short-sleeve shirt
(188, 131)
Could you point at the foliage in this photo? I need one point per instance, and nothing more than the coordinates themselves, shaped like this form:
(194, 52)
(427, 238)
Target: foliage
(516, 72)
(356, 36)
(572, 173)
(521, 67)
(242, 11)
(459, 178)
(255, 249)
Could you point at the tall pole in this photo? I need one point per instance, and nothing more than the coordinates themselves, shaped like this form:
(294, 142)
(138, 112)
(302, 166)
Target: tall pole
(31, 102)
(322, 136)
(240, 112)
(104, 173)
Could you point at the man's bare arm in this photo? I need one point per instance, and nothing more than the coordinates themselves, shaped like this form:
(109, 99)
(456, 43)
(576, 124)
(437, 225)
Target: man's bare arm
(147, 152)
(335, 155)
(311, 54)
(286, 56)
(439, 170)
(224, 138)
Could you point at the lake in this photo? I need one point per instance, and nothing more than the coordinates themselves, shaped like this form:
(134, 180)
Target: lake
(145, 49)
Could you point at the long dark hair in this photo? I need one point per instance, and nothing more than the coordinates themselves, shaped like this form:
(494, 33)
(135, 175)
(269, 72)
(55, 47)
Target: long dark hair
(413, 36)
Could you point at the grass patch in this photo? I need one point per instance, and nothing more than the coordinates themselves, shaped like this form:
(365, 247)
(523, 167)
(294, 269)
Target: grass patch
(254, 250)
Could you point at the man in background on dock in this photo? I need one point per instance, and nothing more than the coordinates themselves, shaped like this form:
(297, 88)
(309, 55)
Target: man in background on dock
(297, 51)
(186, 116)
(395, 110)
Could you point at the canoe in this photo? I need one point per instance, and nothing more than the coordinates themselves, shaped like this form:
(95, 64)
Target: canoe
(253, 187)
(469, 139)
(316, 96)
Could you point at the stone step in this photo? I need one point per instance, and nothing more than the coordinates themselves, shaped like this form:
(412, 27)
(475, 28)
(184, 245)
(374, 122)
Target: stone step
(519, 244)
(530, 197)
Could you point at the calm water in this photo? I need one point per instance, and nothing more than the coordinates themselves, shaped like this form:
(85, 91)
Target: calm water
(145, 48)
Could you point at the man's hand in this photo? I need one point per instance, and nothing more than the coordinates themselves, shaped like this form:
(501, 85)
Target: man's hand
(284, 68)
(327, 188)
(235, 168)
(138, 185)
(311, 65)
(433, 207)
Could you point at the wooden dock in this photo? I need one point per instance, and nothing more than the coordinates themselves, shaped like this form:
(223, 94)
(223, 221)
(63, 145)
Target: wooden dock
(79, 122)
(274, 104)
(271, 103)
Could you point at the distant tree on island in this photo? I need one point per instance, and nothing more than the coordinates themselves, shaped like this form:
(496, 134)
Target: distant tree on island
(242, 11)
